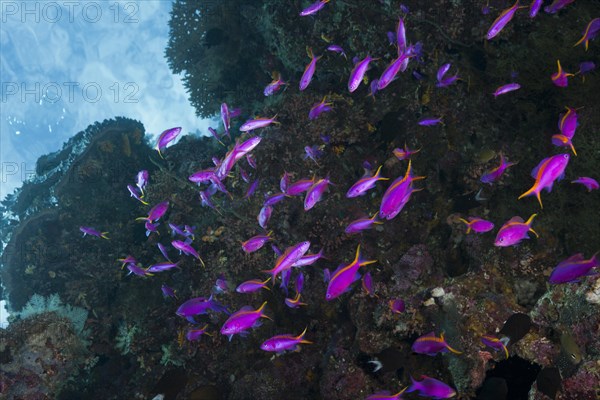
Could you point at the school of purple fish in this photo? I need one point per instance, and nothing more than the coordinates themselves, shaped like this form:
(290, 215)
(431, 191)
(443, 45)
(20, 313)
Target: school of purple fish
(398, 193)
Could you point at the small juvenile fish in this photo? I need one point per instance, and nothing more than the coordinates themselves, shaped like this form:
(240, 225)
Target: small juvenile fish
(344, 276)
(135, 194)
(386, 395)
(88, 230)
(477, 225)
(358, 73)
(364, 184)
(430, 121)
(319, 108)
(534, 8)
(444, 82)
(574, 268)
(515, 230)
(221, 285)
(257, 123)
(256, 242)
(560, 78)
(589, 183)
(295, 302)
(336, 49)
(430, 345)
(264, 216)
(494, 175)
(509, 87)
(168, 291)
(404, 154)
(545, 174)
(186, 249)
(282, 343)
(430, 387)
(557, 5)
(242, 320)
(495, 343)
(314, 8)
(134, 269)
(275, 85)
(362, 224)
(309, 71)
(251, 189)
(591, 31)
(252, 286)
(315, 192)
(367, 284)
(127, 260)
(142, 180)
(503, 19)
(397, 306)
(150, 227)
(163, 266)
(165, 138)
(195, 334)
(313, 152)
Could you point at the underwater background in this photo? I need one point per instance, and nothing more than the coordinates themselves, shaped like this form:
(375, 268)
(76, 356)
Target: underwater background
(439, 114)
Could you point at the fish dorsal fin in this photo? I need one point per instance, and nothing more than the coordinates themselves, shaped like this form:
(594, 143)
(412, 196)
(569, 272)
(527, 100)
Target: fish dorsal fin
(246, 308)
(516, 219)
(574, 258)
(535, 171)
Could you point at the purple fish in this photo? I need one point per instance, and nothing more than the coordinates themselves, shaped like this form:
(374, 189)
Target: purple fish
(257, 123)
(195, 334)
(214, 133)
(364, 184)
(367, 284)
(557, 5)
(362, 224)
(404, 154)
(252, 286)
(495, 343)
(168, 291)
(186, 249)
(88, 230)
(585, 67)
(295, 302)
(589, 183)
(309, 71)
(430, 121)
(336, 49)
(344, 276)
(534, 8)
(251, 161)
(515, 230)
(284, 182)
(282, 343)
(397, 306)
(299, 187)
(165, 138)
(313, 8)
(299, 284)
(264, 215)
(142, 180)
(477, 225)
(430, 387)
(202, 176)
(127, 260)
(398, 194)
(274, 199)
(509, 87)
(389, 74)
(315, 192)
(255, 243)
(134, 269)
(313, 152)
(431, 345)
(442, 81)
(240, 321)
(545, 174)
(319, 108)
(135, 194)
(401, 36)
(251, 189)
(275, 85)
(358, 73)
(567, 125)
(308, 259)
(156, 212)
(560, 78)
(591, 31)
(226, 118)
(386, 395)
(286, 260)
(150, 227)
(574, 268)
(163, 251)
(221, 285)
(163, 266)
(503, 19)
(198, 306)
(494, 175)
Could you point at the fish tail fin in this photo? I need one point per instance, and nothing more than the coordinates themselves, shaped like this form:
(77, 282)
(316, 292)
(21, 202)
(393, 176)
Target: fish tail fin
(400, 393)
(505, 350)
(202, 262)
(572, 148)
(453, 350)
(468, 224)
(414, 385)
(301, 336)
(266, 281)
(530, 220)
(103, 235)
(533, 191)
(378, 176)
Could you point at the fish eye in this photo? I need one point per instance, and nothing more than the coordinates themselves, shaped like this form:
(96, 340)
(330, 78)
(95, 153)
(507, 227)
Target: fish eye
(565, 155)
(573, 356)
